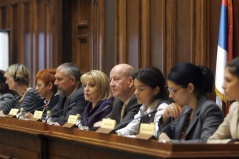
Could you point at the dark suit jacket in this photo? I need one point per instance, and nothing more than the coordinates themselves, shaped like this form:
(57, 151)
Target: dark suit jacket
(205, 121)
(91, 116)
(52, 103)
(60, 112)
(131, 109)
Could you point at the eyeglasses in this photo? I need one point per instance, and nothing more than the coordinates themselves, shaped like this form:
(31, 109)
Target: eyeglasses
(173, 91)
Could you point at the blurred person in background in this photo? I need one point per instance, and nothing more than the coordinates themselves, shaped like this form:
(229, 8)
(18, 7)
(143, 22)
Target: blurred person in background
(17, 78)
(6, 95)
(228, 131)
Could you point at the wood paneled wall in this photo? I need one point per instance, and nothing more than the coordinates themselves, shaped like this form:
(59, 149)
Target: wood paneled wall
(165, 32)
(35, 27)
(88, 33)
(97, 34)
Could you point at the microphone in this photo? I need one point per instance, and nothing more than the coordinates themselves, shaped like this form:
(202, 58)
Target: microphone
(31, 110)
(169, 124)
(15, 99)
(121, 125)
(93, 115)
(18, 97)
(72, 104)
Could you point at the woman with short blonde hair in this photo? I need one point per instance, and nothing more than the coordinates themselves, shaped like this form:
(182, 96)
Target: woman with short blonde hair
(17, 78)
(97, 91)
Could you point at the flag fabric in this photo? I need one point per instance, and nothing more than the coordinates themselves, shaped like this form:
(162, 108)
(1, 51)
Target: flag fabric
(224, 50)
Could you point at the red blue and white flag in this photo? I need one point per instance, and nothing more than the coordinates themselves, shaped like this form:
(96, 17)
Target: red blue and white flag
(224, 50)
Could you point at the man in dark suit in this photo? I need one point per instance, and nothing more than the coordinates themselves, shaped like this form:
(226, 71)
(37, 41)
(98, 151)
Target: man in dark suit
(125, 105)
(71, 101)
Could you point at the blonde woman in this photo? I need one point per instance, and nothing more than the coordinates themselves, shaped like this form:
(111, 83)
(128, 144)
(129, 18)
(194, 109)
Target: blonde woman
(97, 91)
(17, 78)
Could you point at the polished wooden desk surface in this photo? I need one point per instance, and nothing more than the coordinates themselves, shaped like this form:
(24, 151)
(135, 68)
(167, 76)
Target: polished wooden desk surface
(31, 139)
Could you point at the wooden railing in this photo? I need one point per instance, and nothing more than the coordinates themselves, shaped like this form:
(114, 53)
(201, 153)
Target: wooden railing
(36, 140)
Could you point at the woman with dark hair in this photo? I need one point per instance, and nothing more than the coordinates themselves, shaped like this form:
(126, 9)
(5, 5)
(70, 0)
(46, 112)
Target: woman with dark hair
(3, 86)
(151, 92)
(195, 116)
(6, 95)
(228, 130)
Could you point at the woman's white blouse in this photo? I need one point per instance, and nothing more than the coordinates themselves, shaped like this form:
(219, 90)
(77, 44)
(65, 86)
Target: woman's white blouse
(133, 127)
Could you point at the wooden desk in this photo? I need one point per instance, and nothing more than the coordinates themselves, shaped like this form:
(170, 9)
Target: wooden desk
(22, 139)
(29, 139)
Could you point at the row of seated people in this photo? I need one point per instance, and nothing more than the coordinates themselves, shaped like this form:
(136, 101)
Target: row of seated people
(180, 112)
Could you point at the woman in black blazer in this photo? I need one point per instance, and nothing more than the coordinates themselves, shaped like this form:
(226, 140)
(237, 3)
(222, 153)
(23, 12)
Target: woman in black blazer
(192, 118)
